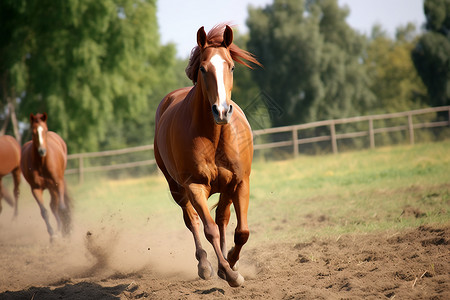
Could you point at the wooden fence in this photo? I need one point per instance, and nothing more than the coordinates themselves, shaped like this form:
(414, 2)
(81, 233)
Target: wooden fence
(294, 141)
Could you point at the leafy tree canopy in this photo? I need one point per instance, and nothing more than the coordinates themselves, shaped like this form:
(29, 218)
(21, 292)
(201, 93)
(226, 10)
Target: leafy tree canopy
(431, 55)
(393, 77)
(91, 65)
(312, 60)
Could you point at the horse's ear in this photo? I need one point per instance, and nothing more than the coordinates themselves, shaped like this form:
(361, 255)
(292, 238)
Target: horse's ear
(44, 117)
(227, 36)
(201, 37)
(31, 118)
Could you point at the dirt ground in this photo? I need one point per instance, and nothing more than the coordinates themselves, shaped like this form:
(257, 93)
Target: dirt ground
(111, 261)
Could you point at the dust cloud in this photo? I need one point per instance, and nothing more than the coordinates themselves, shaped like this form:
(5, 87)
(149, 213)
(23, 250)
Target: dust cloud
(104, 248)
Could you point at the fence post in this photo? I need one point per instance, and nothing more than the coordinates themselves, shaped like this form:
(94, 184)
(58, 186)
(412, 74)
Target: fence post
(333, 137)
(371, 134)
(80, 170)
(295, 141)
(411, 129)
(449, 116)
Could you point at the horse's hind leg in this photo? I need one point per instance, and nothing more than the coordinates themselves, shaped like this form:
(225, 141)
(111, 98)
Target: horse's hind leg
(54, 205)
(37, 193)
(16, 177)
(5, 194)
(63, 208)
(1, 195)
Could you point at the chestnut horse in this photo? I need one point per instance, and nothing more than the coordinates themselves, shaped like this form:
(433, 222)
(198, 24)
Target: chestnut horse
(9, 163)
(203, 145)
(43, 163)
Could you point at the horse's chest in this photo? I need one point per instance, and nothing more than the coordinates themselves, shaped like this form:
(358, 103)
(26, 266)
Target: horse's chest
(42, 177)
(219, 172)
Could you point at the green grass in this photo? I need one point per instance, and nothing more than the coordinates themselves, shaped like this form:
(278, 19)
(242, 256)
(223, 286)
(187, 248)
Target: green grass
(387, 188)
(295, 200)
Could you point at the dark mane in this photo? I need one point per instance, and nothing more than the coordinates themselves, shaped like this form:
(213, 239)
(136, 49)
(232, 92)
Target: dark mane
(214, 39)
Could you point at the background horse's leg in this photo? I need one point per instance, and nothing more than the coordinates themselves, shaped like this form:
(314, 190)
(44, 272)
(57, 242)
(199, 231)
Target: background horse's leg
(16, 173)
(37, 193)
(198, 197)
(241, 234)
(5, 194)
(192, 222)
(54, 205)
(1, 194)
(64, 208)
(222, 219)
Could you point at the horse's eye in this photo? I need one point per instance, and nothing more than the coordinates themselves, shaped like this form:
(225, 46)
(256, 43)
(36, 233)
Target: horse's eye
(232, 69)
(202, 69)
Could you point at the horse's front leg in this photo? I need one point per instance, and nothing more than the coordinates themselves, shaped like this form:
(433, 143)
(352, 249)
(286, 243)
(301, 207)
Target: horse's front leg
(241, 234)
(190, 216)
(198, 197)
(37, 193)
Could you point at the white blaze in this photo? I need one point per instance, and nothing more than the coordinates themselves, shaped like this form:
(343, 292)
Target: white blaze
(218, 62)
(40, 130)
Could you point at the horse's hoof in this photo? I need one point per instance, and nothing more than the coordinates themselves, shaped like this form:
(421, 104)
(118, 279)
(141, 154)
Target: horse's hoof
(205, 270)
(54, 238)
(236, 282)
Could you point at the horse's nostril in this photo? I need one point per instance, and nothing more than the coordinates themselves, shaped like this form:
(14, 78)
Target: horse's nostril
(42, 151)
(215, 110)
(230, 110)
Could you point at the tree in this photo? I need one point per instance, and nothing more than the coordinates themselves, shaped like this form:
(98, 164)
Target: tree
(312, 60)
(92, 65)
(431, 55)
(393, 77)
(12, 60)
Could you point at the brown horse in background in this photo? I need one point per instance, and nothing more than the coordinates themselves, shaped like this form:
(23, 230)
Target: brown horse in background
(9, 163)
(43, 163)
(203, 145)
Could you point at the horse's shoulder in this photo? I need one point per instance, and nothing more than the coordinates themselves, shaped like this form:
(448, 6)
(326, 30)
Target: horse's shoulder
(171, 99)
(240, 115)
(58, 140)
(27, 146)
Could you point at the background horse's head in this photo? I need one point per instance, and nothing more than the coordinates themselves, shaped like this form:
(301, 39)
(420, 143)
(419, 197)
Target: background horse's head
(212, 64)
(38, 126)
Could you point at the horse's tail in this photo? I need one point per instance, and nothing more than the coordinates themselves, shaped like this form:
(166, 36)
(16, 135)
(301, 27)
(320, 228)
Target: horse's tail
(66, 213)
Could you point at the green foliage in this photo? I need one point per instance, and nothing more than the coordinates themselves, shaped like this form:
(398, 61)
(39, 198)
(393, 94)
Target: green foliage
(311, 60)
(431, 55)
(393, 77)
(95, 66)
(354, 191)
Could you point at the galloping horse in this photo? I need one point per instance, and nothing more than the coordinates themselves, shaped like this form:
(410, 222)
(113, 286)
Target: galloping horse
(203, 145)
(9, 163)
(43, 163)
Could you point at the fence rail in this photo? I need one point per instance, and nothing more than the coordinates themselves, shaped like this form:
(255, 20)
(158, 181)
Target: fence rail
(295, 141)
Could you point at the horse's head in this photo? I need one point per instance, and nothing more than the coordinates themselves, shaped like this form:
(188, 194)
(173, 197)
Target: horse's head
(216, 74)
(38, 126)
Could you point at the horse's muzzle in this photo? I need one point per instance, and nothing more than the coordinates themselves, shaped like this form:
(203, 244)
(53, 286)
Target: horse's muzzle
(42, 152)
(222, 115)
